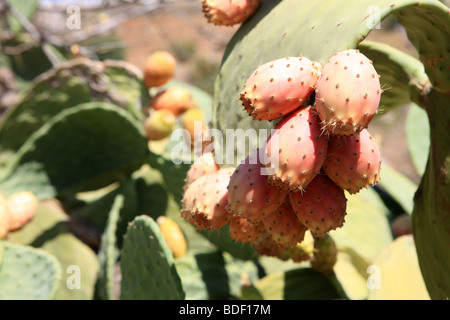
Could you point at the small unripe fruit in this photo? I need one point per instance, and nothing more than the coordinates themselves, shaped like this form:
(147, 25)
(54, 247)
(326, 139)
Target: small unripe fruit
(159, 69)
(193, 121)
(325, 254)
(159, 124)
(175, 99)
(21, 208)
(173, 235)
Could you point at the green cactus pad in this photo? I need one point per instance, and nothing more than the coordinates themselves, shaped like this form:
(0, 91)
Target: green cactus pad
(432, 200)
(82, 148)
(66, 86)
(51, 231)
(221, 239)
(418, 137)
(109, 252)
(214, 275)
(366, 230)
(397, 275)
(399, 186)
(399, 73)
(148, 269)
(27, 273)
(297, 284)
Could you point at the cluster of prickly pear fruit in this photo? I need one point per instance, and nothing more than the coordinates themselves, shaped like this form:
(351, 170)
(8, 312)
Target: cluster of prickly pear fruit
(296, 182)
(16, 211)
(324, 112)
(229, 12)
(168, 105)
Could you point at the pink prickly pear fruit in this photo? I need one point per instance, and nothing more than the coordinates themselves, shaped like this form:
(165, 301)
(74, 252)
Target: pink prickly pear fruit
(353, 162)
(266, 246)
(21, 207)
(229, 12)
(159, 124)
(4, 218)
(296, 150)
(205, 200)
(249, 194)
(243, 230)
(279, 87)
(348, 93)
(203, 165)
(284, 227)
(322, 207)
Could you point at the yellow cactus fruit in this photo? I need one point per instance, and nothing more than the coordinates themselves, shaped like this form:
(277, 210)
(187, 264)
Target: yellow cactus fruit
(21, 207)
(175, 99)
(193, 121)
(173, 235)
(159, 124)
(159, 69)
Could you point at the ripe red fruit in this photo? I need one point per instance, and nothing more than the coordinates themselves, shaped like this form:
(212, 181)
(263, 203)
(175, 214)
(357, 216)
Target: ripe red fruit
(299, 149)
(204, 201)
(243, 230)
(278, 87)
(249, 195)
(322, 207)
(348, 93)
(203, 165)
(353, 162)
(284, 227)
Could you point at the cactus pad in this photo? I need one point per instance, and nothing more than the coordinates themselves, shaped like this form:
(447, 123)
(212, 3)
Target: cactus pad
(148, 269)
(27, 273)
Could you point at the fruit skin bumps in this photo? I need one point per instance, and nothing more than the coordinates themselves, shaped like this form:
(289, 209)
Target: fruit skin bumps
(249, 194)
(229, 12)
(205, 200)
(322, 207)
(353, 162)
(300, 147)
(348, 93)
(279, 87)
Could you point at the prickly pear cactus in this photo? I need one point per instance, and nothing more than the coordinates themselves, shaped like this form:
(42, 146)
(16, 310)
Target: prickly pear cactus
(148, 270)
(67, 86)
(117, 144)
(318, 29)
(27, 273)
